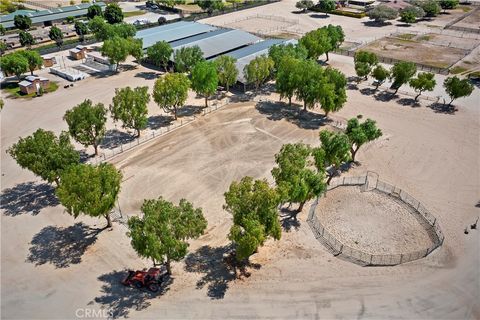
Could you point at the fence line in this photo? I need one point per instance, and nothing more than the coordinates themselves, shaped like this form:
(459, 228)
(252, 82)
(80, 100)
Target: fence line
(108, 154)
(370, 182)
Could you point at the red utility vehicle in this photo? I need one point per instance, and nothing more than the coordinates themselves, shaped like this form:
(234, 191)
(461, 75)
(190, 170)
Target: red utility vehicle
(150, 279)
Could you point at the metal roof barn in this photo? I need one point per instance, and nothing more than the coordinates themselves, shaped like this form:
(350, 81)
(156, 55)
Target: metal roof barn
(217, 42)
(247, 54)
(50, 15)
(172, 32)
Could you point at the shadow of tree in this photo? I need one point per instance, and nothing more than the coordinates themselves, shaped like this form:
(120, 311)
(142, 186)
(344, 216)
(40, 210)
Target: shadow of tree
(376, 24)
(114, 138)
(187, 111)
(319, 16)
(384, 96)
(28, 197)
(288, 218)
(443, 108)
(61, 246)
(120, 299)
(409, 102)
(217, 274)
(293, 114)
(157, 122)
(368, 91)
(147, 75)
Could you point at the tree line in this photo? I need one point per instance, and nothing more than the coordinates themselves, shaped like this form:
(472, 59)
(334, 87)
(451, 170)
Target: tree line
(403, 72)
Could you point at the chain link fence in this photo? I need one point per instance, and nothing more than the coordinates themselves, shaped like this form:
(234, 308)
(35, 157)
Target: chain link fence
(367, 183)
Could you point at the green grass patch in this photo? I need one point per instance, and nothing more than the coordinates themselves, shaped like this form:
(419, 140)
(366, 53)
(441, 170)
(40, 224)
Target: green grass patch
(13, 90)
(457, 70)
(465, 8)
(406, 36)
(425, 37)
(133, 13)
(475, 74)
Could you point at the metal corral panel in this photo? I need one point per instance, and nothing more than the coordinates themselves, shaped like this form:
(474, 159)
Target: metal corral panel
(217, 42)
(172, 32)
(245, 55)
(50, 15)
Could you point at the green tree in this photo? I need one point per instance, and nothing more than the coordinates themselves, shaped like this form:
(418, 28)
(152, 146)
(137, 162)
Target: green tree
(210, 5)
(361, 133)
(401, 73)
(186, 57)
(113, 13)
(86, 123)
(410, 14)
(310, 79)
(162, 233)
(425, 81)
(26, 39)
(287, 79)
(81, 30)
(448, 4)
(332, 95)
(89, 190)
(334, 151)
(130, 107)
(100, 29)
(304, 5)
(14, 63)
(2, 30)
(226, 70)
(171, 91)
(382, 13)
(296, 177)
(94, 11)
(335, 36)
(123, 30)
(327, 6)
(22, 22)
(316, 42)
(116, 49)
(258, 70)
(364, 62)
(56, 35)
(3, 48)
(457, 88)
(380, 74)
(159, 54)
(279, 51)
(205, 79)
(430, 7)
(45, 154)
(136, 49)
(35, 60)
(253, 205)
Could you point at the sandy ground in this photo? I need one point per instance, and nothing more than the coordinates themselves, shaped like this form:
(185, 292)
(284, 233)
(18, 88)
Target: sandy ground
(432, 155)
(371, 222)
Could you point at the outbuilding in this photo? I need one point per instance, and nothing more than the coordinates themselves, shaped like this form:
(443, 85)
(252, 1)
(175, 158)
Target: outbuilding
(32, 84)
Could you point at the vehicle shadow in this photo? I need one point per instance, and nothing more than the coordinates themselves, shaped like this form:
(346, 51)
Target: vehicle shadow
(28, 197)
(217, 274)
(61, 246)
(119, 299)
(293, 114)
(114, 138)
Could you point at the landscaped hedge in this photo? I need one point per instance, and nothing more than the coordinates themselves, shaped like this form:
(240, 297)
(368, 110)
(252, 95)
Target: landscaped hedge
(342, 13)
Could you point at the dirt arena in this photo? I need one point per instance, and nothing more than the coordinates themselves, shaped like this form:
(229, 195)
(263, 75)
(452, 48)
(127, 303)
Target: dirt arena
(417, 51)
(371, 222)
(263, 24)
(430, 154)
